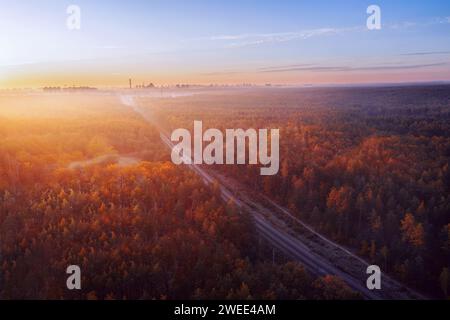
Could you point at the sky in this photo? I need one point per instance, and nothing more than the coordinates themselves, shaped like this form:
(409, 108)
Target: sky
(224, 42)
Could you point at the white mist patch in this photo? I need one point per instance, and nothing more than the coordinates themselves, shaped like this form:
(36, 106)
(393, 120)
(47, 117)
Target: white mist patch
(238, 151)
(127, 100)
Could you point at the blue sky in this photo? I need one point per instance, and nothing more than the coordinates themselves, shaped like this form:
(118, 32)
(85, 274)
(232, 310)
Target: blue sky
(291, 42)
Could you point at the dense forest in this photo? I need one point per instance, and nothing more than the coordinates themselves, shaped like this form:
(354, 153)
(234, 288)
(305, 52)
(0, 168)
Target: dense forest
(146, 230)
(369, 167)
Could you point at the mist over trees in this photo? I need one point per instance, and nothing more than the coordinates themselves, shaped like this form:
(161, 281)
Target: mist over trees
(150, 230)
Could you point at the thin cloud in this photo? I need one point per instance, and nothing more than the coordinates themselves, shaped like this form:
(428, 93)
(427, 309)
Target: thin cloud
(253, 39)
(409, 24)
(350, 69)
(286, 66)
(307, 68)
(414, 66)
(402, 25)
(425, 53)
(441, 20)
(249, 39)
(319, 68)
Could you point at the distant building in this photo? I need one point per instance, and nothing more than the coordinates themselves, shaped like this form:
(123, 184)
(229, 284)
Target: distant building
(144, 86)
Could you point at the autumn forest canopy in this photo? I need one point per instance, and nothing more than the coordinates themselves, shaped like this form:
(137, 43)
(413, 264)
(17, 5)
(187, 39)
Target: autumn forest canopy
(85, 180)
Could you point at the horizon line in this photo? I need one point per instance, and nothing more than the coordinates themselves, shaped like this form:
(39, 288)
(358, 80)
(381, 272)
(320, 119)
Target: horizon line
(234, 85)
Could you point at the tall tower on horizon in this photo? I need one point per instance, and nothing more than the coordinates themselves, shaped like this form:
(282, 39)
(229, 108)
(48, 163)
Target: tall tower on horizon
(129, 80)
